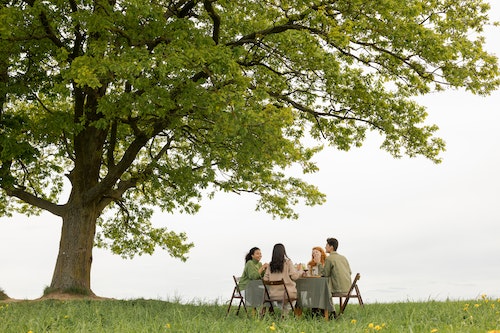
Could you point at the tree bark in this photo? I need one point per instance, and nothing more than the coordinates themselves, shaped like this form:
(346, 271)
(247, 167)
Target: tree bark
(74, 261)
(72, 270)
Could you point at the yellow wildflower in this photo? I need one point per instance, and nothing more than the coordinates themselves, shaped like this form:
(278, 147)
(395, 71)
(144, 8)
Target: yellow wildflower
(353, 321)
(477, 305)
(168, 325)
(370, 325)
(434, 330)
(494, 331)
(377, 328)
(272, 327)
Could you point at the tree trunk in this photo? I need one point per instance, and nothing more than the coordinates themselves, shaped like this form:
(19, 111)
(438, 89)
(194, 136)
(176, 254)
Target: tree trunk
(74, 261)
(72, 270)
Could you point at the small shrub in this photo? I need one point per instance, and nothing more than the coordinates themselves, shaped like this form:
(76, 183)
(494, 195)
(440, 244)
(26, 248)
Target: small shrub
(48, 290)
(3, 295)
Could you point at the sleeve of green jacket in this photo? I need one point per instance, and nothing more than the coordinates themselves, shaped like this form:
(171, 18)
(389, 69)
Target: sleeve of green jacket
(250, 272)
(253, 270)
(326, 270)
(321, 269)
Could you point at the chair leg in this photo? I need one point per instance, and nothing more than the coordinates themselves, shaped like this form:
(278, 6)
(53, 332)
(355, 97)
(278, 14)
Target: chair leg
(244, 306)
(239, 306)
(337, 314)
(358, 294)
(263, 311)
(344, 305)
(229, 306)
(285, 310)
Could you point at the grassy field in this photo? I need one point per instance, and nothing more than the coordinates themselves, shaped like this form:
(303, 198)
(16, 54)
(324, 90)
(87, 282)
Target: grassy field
(482, 315)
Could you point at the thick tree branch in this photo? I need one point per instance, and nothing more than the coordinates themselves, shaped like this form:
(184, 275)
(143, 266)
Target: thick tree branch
(46, 26)
(254, 36)
(122, 186)
(33, 200)
(79, 39)
(215, 18)
(180, 9)
(127, 159)
(115, 172)
(112, 144)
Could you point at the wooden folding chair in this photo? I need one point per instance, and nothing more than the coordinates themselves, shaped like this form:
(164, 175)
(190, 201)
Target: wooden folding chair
(286, 299)
(236, 295)
(352, 293)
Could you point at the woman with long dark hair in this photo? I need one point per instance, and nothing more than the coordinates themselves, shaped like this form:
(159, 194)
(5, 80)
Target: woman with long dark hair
(254, 269)
(282, 267)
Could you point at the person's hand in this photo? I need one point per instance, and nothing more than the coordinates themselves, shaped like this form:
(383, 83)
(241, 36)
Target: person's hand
(265, 265)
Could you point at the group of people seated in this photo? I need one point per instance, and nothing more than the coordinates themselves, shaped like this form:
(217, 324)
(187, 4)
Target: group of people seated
(335, 267)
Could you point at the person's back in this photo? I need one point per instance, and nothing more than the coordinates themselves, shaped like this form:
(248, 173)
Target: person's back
(281, 267)
(289, 274)
(336, 269)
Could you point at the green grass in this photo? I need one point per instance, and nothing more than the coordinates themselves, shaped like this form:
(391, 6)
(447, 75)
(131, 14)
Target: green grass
(482, 315)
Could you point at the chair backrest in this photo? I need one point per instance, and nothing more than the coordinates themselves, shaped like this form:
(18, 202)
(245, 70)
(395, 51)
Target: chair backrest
(356, 288)
(237, 291)
(352, 293)
(286, 296)
(354, 283)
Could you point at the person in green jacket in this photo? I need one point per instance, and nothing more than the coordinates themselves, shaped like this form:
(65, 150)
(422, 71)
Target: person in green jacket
(336, 268)
(254, 269)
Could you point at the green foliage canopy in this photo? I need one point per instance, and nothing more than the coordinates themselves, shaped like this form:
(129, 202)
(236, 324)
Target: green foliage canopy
(152, 104)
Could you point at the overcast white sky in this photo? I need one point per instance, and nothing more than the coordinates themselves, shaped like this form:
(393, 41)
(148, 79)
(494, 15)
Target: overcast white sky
(413, 229)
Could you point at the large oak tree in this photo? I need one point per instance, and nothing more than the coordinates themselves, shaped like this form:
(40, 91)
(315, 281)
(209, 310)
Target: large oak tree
(110, 108)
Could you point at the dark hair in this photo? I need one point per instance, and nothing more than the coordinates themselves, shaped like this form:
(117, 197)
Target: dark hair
(278, 260)
(250, 253)
(333, 242)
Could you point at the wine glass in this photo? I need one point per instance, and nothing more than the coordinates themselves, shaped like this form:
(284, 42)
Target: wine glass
(305, 269)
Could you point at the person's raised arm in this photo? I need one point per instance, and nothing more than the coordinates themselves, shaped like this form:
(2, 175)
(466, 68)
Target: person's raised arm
(293, 271)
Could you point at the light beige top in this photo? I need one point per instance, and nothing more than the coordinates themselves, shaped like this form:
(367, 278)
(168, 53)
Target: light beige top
(289, 275)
